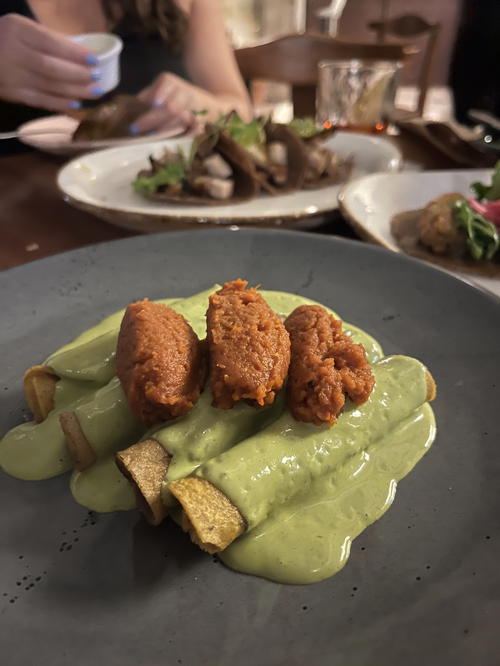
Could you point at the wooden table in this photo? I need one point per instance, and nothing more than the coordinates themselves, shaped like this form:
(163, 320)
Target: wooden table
(36, 222)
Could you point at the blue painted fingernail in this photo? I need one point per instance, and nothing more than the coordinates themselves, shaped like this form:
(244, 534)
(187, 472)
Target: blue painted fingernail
(158, 103)
(134, 129)
(74, 104)
(92, 60)
(95, 74)
(97, 91)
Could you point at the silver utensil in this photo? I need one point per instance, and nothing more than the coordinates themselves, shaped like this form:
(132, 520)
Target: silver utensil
(15, 134)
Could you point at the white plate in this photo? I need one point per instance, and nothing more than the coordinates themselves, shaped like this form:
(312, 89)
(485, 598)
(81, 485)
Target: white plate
(101, 183)
(371, 202)
(60, 142)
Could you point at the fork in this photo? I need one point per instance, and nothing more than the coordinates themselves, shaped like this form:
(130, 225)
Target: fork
(15, 134)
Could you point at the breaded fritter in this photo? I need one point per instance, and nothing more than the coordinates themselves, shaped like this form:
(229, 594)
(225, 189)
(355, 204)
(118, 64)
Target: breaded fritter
(436, 226)
(160, 362)
(249, 347)
(325, 366)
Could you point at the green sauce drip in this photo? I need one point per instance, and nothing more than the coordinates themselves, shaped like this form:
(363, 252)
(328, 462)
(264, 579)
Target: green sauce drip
(36, 451)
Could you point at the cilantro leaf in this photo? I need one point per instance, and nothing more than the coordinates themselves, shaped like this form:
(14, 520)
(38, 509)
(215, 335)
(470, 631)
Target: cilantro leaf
(168, 174)
(489, 192)
(245, 134)
(304, 127)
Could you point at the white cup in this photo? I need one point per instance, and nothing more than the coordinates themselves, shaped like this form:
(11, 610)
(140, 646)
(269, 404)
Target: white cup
(107, 49)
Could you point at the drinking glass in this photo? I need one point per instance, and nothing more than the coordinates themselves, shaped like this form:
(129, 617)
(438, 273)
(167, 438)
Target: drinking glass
(356, 94)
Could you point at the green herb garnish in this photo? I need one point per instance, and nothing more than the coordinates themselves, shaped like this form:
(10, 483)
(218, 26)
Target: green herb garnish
(482, 235)
(169, 174)
(304, 127)
(488, 192)
(201, 112)
(245, 134)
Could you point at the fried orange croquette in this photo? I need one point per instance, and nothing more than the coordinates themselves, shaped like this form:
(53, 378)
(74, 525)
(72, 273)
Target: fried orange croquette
(160, 362)
(325, 366)
(248, 344)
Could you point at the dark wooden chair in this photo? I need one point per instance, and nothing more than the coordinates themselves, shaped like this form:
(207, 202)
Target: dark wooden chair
(411, 26)
(294, 59)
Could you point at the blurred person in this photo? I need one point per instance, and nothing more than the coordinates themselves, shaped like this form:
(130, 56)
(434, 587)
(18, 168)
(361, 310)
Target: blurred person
(176, 58)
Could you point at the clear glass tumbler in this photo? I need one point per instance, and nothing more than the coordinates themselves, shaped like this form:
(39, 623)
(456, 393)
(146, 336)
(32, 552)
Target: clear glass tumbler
(356, 94)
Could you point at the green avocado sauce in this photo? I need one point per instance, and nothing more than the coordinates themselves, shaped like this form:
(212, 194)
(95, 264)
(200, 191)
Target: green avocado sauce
(309, 538)
(266, 470)
(305, 491)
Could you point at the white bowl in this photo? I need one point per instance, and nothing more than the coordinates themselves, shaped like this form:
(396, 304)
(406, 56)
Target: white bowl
(107, 49)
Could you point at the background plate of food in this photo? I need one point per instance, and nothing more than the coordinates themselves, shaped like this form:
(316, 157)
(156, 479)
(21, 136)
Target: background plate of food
(102, 183)
(417, 213)
(100, 585)
(103, 126)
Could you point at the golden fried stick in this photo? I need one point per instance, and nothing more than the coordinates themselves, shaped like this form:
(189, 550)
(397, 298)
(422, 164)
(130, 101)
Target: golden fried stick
(431, 387)
(39, 387)
(79, 447)
(100, 427)
(210, 517)
(145, 465)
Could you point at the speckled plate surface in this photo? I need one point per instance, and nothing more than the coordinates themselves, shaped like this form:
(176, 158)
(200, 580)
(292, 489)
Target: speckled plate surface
(422, 584)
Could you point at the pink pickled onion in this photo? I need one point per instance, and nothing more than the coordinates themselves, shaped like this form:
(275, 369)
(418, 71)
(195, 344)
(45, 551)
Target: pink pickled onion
(489, 209)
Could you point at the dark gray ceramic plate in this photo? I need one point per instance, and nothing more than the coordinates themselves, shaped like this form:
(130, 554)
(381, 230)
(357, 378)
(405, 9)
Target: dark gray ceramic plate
(422, 586)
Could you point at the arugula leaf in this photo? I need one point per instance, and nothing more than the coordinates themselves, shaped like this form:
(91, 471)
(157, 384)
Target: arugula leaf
(201, 112)
(489, 192)
(482, 236)
(304, 127)
(169, 174)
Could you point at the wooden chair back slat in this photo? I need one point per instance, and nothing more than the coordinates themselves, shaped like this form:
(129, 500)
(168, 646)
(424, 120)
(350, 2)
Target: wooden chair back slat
(412, 26)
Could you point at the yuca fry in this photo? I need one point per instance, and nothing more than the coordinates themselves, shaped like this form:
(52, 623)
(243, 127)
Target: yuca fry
(79, 448)
(39, 387)
(145, 465)
(210, 517)
(212, 521)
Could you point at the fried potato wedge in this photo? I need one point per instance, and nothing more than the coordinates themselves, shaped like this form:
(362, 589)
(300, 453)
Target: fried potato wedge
(211, 519)
(145, 464)
(39, 385)
(82, 454)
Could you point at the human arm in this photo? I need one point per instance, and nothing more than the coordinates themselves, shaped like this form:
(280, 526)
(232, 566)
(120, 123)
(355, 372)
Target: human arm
(216, 85)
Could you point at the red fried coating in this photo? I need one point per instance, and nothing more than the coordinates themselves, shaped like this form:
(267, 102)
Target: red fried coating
(248, 344)
(325, 366)
(160, 362)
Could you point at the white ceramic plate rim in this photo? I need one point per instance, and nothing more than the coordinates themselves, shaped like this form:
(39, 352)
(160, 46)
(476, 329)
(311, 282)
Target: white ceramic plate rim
(387, 182)
(389, 156)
